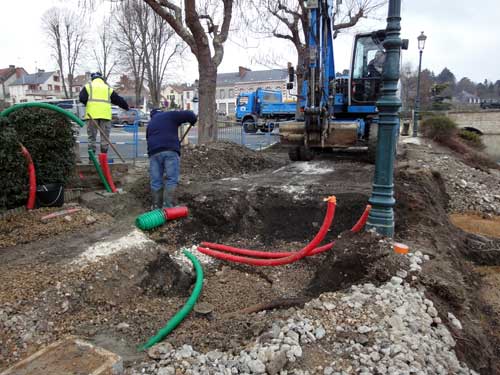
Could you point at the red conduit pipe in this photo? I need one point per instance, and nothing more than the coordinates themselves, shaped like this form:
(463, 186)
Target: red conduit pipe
(103, 161)
(32, 178)
(273, 255)
(362, 220)
(262, 254)
(330, 213)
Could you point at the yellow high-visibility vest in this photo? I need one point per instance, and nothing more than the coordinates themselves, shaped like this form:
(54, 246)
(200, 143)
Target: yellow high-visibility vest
(99, 103)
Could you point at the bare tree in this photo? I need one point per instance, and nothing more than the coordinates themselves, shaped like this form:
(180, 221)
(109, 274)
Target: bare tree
(74, 33)
(291, 22)
(204, 28)
(66, 37)
(127, 37)
(150, 45)
(161, 47)
(52, 25)
(104, 51)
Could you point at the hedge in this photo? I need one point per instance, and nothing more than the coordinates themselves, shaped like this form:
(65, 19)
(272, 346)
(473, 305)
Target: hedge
(50, 139)
(13, 169)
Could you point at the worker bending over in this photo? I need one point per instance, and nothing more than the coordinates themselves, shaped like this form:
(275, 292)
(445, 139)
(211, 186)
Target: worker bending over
(164, 152)
(98, 97)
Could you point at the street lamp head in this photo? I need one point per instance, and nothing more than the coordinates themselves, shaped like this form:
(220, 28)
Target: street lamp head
(421, 41)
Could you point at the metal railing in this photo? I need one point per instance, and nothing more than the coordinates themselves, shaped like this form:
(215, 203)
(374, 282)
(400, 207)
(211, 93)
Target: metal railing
(233, 131)
(131, 139)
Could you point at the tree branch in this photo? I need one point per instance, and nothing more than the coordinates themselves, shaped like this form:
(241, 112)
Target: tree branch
(174, 20)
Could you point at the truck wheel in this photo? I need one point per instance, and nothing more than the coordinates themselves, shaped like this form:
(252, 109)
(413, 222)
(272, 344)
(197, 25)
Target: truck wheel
(249, 126)
(294, 154)
(306, 154)
(267, 128)
(372, 142)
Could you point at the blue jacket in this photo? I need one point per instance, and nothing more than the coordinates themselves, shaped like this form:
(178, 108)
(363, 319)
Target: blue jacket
(162, 132)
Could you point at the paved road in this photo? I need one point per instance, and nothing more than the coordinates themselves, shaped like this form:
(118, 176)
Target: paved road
(125, 145)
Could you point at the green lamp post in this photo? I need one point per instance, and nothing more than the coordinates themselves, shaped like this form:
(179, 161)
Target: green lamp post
(381, 216)
(421, 44)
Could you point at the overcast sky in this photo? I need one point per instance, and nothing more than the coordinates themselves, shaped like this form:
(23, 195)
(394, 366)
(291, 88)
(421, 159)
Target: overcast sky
(462, 36)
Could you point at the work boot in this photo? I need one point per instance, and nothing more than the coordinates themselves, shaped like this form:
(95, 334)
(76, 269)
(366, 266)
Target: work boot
(169, 197)
(157, 199)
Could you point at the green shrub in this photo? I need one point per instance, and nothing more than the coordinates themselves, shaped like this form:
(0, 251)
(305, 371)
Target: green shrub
(441, 106)
(439, 128)
(472, 138)
(13, 169)
(50, 139)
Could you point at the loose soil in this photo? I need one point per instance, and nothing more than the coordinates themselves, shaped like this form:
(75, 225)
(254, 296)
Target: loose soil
(475, 223)
(26, 227)
(121, 300)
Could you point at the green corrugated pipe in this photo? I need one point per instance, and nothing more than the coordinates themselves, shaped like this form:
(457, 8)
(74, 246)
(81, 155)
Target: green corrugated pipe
(150, 220)
(186, 309)
(51, 107)
(99, 171)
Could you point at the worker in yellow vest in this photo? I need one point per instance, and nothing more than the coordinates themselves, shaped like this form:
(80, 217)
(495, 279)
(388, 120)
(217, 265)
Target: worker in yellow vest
(98, 98)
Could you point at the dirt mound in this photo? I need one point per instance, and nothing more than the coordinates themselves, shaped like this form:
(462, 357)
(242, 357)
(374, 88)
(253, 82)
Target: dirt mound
(223, 159)
(213, 161)
(357, 258)
(449, 277)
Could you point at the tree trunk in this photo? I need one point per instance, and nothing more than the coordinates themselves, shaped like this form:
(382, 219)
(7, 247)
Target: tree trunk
(138, 91)
(207, 125)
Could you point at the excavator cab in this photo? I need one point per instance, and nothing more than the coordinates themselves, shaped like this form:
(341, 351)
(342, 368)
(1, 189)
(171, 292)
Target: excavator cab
(366, 68)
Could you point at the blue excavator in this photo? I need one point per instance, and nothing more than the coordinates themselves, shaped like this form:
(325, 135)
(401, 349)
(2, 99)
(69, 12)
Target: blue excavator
(340, 112)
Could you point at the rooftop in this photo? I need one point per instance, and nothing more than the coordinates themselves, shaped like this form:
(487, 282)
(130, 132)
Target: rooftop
(249, 76)
(33, 79)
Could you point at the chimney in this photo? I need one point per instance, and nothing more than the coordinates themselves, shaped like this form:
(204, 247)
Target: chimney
(242, 71)
(41, 70)
(12, 66)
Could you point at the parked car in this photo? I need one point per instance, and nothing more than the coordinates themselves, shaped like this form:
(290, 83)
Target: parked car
(493, 104)
(115, 111)
(129, 117)
(71, 105)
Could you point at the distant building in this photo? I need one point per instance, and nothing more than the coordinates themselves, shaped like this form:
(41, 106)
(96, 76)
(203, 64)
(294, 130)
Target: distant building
(230, 85)
(38, 86)
(188, 98)
(467, 98)
(173, 93)
(7, 77)
(79, 82)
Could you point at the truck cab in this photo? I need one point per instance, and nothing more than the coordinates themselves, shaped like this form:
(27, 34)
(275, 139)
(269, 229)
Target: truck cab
(262, 110)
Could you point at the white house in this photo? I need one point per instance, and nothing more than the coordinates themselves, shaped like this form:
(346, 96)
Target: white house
(7, 77)
(172, 93)
(38, 86)
(188, 95)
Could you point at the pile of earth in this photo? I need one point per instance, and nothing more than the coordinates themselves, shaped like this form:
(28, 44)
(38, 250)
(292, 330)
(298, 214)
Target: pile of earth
(223, 159)
(449, 278)
(213, 161)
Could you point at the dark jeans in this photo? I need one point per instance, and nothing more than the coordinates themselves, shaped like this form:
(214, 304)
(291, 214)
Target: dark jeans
(165, 162)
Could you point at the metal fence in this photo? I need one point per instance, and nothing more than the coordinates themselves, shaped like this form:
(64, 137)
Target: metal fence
(233, 131)
(130, 140)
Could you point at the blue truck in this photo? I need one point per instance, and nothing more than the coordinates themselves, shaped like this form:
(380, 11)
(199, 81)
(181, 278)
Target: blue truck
(263, 110)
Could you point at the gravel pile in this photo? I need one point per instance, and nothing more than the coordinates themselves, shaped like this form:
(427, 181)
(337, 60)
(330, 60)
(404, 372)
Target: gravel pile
(391, 329)
(470, 189)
